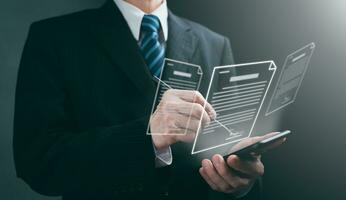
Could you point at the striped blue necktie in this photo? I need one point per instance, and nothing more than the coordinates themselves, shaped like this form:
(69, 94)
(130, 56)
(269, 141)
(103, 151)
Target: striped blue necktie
(152, 50)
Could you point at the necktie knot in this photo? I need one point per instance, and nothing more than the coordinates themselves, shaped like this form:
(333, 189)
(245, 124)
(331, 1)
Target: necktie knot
(150, 23)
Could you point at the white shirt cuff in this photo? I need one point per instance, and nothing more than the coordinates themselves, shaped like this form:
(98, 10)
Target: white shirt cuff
(163, 157)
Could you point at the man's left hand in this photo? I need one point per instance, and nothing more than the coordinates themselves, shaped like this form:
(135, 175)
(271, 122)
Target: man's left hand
(235, 174)
(232, 175)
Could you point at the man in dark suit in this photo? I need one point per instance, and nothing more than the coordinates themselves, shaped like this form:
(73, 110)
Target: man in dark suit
(83, 103)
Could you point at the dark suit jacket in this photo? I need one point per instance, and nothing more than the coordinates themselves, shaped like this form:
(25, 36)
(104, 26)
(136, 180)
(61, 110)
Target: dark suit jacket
(83, 101)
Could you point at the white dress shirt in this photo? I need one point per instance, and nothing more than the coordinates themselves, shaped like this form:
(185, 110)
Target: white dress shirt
(133, 17)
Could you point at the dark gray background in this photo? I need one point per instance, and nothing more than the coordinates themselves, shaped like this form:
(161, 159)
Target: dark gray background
(312, 164)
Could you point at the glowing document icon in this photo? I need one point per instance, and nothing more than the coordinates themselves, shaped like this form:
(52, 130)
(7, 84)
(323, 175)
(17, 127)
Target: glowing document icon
(291, 78)
(237, 99)
(176, 75)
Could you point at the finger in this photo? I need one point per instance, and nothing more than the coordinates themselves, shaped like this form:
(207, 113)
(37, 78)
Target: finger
(198, 111)
(233, 182)
(170, 107)
(190, 110)
(251, 168)
(194, 110)
(180, 131)
(191, 96)
(196, 97)
(228, 175)
(222, 168)
(183, 135)
(184, 122)
(188, 137)
(214, 176)
(207, 179)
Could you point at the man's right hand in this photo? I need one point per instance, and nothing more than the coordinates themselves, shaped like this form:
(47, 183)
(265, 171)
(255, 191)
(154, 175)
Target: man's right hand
(178, 116)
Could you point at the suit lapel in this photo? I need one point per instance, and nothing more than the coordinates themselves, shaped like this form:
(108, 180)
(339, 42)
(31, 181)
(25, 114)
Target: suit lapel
(182, 41)
(113, 34)
(115, 38)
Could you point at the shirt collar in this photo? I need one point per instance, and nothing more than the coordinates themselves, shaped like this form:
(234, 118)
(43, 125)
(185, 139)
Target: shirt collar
(134, 16)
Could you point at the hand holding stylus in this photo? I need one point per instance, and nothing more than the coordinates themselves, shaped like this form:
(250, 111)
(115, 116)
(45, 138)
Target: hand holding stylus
(178, 117)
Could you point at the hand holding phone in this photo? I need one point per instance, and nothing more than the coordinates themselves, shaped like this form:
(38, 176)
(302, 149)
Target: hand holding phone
(250, 147)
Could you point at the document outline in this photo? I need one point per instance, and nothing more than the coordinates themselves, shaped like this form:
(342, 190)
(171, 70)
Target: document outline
(272, 67)
(268, 112)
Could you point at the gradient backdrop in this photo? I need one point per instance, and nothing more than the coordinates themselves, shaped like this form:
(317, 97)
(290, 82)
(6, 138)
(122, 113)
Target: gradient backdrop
(312, 164)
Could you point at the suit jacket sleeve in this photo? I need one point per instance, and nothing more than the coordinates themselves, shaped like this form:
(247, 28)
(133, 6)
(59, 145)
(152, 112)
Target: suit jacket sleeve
(50, 154)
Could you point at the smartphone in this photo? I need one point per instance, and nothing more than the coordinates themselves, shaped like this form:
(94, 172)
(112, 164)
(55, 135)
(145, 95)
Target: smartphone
(258, 147)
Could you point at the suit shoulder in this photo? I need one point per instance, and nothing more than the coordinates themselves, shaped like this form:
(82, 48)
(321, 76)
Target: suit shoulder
(65, 22)
(214, 46)
(204, 32)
